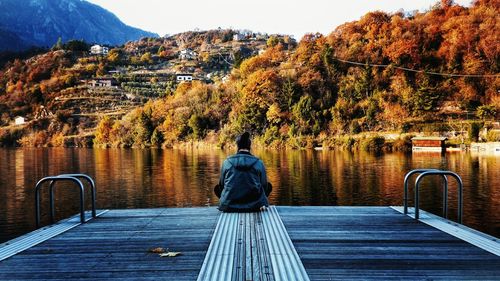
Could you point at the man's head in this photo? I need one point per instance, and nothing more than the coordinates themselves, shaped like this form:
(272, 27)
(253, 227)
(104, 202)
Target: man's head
(243, 141)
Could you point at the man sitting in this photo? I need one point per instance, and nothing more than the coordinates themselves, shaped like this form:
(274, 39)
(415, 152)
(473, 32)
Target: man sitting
(243, 185)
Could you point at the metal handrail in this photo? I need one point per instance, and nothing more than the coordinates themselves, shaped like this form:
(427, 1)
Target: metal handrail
(78, 176)
(445, 190)
(54, 179)
(444, 173)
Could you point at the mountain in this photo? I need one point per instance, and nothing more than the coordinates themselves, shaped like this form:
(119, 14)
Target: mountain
(25, 23)
(10, 41)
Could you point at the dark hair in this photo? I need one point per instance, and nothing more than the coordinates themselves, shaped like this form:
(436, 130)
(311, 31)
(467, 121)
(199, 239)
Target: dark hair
(243, 141)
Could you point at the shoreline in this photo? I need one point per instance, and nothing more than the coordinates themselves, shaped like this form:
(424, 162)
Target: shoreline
(357, 145)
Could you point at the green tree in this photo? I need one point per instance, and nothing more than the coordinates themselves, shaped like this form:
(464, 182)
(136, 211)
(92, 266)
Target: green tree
(146, 58)
(303, 114)
(356, 85)
(289, 94)
(485, 112)
(143, 130)
(198, 126)
(272, 41)
(157, 138)
(425, 99)
(251, 116)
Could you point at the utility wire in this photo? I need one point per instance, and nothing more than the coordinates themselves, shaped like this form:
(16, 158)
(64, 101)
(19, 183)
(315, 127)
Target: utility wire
(420, 71)
(220, 55)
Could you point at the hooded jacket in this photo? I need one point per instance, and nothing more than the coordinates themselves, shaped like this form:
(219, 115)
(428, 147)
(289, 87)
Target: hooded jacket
(242, 181)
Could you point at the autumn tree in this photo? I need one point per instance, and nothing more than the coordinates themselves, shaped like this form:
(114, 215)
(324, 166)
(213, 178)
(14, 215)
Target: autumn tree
(103, 132)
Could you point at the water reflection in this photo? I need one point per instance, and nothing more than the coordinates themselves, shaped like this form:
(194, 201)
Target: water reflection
(136, 178)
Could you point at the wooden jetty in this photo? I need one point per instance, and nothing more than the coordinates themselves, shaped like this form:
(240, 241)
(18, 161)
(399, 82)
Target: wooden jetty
(284, 243)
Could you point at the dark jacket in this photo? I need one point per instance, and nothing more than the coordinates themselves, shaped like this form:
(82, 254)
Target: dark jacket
(242, 184)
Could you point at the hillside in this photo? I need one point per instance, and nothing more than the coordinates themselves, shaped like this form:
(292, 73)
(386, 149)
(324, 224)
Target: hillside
(61, 91)
(435, 72)
(42, 22)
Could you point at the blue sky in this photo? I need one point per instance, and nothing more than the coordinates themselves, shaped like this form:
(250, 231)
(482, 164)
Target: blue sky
(267, 16)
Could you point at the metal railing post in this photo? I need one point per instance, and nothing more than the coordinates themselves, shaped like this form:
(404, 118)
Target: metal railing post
(419, 171)
(445, 197)
(92, 188)
(443, 173)
(52, 182)
(51, 199)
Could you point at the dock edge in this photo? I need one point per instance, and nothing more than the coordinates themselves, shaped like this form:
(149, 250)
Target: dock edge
(467, 234)
(24, 242)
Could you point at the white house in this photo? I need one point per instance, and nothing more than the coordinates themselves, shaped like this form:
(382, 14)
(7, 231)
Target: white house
(102, 82)
(184, 77)
(187, 54)
(238, 37)
(19, 120)
(99, 50)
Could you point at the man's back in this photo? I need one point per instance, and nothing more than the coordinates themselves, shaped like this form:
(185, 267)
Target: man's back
(243, 181)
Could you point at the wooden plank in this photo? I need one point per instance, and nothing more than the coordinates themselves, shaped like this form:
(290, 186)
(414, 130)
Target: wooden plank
(262, 250)
(262, 264)
(238, 270)
(115, 246)
(245, 252)
(364, 243)
(333, 243)
(479, 239)
(36, 237)
(238, 236)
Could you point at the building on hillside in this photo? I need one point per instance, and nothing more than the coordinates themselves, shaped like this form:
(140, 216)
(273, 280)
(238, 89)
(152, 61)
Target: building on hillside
(428, 144)
(102, 82)
(116, 71)
(261, 36)
(19, 120)
(187, 54)
(99, 50)
(184, 77)
(238, 37)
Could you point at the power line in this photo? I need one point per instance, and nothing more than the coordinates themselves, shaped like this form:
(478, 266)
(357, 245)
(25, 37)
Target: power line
(220, 55)
(420, 71)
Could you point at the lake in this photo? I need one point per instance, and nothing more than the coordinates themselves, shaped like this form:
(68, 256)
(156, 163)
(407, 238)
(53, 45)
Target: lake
(150, 178)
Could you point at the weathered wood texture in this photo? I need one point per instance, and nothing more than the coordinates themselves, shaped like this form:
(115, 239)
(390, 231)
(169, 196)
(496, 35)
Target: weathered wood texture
(115, 247)
(333, 243)
(378, 243)
(252, 255)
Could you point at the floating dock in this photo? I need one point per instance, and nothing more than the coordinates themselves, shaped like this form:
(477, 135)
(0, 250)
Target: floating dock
(283, 243)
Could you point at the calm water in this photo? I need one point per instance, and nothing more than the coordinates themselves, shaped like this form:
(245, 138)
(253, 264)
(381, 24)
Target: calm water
(128, 178)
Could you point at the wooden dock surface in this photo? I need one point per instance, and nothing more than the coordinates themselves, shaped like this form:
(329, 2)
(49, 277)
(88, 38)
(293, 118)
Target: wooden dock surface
(379, 243)
(115, 246)
(333, 243)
